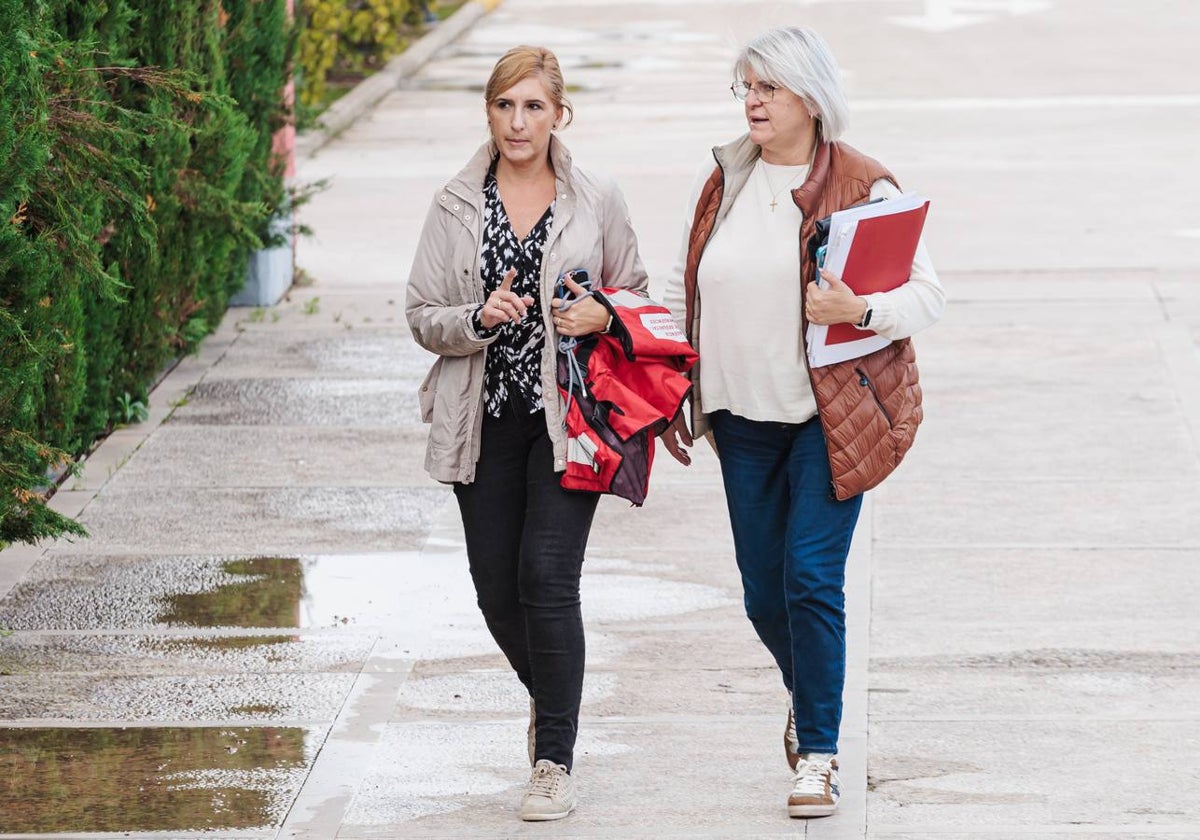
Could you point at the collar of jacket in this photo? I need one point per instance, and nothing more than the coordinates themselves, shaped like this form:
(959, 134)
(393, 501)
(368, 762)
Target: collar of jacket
(467, 185)
(737, 160)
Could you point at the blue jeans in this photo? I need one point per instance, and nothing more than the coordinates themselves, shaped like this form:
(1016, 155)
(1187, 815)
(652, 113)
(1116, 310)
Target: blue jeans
(792, 537)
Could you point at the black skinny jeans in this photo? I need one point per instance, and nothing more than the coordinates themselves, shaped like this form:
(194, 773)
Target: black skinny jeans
(525, 542)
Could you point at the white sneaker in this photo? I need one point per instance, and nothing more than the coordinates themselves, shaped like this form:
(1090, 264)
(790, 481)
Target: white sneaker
(551, 794)
(817, 787)
(791, 744)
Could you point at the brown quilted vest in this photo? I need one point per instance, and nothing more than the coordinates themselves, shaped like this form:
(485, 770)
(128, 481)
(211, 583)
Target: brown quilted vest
(870, 407)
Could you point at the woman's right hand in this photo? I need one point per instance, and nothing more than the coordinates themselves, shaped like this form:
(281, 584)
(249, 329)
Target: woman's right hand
(676, 438)
(504, 305)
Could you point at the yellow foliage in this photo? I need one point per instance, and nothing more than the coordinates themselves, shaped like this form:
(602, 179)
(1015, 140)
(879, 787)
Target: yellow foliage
(348, 36)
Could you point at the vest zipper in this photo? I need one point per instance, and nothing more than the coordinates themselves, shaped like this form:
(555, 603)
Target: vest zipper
(866, 382)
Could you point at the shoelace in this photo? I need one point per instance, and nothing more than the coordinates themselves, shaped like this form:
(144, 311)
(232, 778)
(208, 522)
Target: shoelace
(811, 777)
(544, 782)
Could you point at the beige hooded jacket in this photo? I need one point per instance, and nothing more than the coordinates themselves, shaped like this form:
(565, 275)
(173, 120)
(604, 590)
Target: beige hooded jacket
(591, 230)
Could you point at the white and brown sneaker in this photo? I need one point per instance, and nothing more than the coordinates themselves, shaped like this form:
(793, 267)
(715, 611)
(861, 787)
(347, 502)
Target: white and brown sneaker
(551, 794)
(816, 790)
(791, 744)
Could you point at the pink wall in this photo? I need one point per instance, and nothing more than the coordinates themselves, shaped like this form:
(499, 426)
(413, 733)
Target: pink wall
(284, 143)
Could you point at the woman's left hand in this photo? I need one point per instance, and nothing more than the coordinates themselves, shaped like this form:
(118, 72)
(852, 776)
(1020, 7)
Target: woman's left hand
(584, 316)
(836, 304)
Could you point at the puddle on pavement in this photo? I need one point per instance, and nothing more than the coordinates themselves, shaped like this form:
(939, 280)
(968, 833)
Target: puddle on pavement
(256, 593)
(286, 592)
(266, 592)
(149, 779)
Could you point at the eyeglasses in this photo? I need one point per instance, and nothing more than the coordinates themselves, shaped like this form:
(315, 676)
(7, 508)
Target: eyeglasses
(765, 91)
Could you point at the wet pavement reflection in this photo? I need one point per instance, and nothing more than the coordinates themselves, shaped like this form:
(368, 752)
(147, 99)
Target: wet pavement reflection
(94, 593)
(150, 779)
(264, 592)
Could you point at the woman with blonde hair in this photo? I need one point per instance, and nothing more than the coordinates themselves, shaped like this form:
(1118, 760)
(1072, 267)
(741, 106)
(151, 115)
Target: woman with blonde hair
(481, 296)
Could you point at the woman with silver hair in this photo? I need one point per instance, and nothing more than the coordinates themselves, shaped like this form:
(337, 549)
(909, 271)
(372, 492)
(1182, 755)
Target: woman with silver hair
(797, 445)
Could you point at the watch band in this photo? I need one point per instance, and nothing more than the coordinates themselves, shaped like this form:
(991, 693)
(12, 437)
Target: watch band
(866, 318)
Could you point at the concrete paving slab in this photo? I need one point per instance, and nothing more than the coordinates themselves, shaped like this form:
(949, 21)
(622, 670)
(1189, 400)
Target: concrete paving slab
(981, 774)
(685, 643)
(607, 693)
(70, 503)
(268, 520)
(15, 563)
(387, 352)
(479, 694)
(1034, 587)
(747, 789)
(386, 403)
(99, 467)
(348, 751)
(1029, 513)
(179, 456)
(184, 655)
(986, 636)
(677, 519)
(1076, 686)
(1006, 442)
(241, 698)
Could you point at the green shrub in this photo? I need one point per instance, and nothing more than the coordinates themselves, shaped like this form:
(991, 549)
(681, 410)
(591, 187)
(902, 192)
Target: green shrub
(33, 342)
(136, 176)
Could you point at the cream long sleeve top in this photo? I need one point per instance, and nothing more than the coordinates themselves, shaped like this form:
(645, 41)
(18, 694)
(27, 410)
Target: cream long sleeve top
(751, 346)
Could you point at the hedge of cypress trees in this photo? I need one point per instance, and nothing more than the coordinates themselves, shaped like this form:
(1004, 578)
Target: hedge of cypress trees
(136, 177)
(27, 261)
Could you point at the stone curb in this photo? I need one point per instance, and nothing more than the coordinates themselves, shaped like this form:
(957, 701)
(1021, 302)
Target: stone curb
(367, 93)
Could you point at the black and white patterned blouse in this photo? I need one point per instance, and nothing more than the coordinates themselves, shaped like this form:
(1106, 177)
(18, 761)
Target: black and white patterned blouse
(514, 360)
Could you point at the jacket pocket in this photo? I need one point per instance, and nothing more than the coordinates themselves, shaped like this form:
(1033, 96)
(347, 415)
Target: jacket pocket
(865, 382)
(428, 392)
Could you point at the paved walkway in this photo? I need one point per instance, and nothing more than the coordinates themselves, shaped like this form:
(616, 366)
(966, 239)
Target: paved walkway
(270, 632)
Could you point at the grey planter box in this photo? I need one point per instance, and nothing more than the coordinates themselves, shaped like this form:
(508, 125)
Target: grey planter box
(270, 272)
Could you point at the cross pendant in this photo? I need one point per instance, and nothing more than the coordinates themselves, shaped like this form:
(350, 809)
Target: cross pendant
(774, 203)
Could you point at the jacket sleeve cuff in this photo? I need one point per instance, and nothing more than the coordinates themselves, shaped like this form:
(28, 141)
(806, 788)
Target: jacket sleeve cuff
(476, 328)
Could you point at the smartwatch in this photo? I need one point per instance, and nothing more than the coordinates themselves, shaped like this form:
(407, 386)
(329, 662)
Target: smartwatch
(866, 318)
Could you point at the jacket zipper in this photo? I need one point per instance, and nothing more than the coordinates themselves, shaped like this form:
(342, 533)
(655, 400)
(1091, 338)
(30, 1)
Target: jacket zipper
(866, 382)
